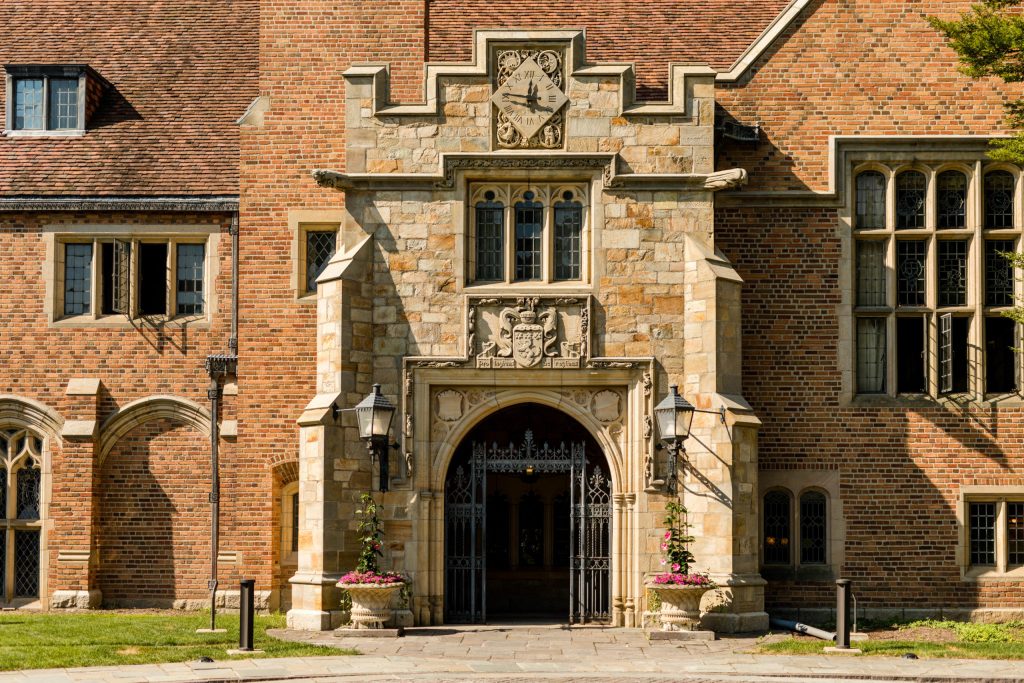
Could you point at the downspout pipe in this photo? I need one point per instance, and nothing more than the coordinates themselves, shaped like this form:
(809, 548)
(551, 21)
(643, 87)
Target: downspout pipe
(804, 629)
(233, 339)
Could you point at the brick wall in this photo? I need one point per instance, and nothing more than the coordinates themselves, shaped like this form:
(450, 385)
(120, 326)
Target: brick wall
(901, 468)
(154, 518)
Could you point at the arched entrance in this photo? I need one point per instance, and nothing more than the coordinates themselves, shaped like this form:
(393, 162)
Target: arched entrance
(528, 520)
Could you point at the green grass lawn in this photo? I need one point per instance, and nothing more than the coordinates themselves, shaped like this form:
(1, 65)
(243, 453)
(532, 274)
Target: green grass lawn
(924, 639)
(50, 640)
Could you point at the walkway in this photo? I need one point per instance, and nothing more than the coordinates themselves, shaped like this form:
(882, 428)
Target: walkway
(495, 653)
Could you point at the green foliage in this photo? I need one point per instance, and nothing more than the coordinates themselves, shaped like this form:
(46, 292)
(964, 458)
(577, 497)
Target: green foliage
(972, 632)
(676, 544)
(371, 535)
(43, 641)
(989, 40)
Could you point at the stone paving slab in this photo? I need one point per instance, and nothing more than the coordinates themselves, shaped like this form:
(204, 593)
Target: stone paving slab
(554, 653)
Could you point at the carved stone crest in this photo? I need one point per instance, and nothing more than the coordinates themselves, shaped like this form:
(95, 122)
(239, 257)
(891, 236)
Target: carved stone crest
(449, 405)
(527, 332)
(605, 405)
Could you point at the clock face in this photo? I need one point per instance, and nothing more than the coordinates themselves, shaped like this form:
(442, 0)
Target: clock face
(529, 98)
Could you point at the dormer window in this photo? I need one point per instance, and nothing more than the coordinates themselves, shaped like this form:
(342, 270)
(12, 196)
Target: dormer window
(50, 99)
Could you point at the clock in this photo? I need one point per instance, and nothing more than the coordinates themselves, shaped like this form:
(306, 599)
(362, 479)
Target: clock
(528, 99)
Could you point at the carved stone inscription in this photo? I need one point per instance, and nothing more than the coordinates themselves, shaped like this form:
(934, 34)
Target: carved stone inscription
(528, 332)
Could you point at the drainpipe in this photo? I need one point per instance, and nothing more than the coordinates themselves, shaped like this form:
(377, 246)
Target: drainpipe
(218, 368)
(233, 339)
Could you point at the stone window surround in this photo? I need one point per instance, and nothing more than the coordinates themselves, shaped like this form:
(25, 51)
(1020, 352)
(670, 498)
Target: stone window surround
(794, 483)
(56, 235)
(548, 194)
(1000, 495)
(45, 72)
(975, 166)
(301, 221)
(593, 216)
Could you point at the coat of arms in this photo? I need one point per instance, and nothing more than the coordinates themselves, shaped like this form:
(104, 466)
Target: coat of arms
(526, 335)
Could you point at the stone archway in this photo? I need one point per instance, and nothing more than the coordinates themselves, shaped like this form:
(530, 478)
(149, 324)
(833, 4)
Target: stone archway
(528, 520)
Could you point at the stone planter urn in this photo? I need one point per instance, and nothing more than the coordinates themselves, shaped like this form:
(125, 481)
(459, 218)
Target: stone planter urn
(680, 605)
(371, 603)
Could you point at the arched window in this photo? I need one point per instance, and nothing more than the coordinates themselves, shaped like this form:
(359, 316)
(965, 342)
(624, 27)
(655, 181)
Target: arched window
(870, 200)
(999, 199)
(951, 200)
(813, 527)
(910, 197)
(20, 502)
(777, 527)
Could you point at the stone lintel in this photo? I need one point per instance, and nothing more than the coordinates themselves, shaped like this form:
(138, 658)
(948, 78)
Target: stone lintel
(79, 430)
(83, 386)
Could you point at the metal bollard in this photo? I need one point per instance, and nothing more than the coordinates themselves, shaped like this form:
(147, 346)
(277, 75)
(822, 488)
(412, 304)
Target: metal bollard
(843, 614)
(246, 614)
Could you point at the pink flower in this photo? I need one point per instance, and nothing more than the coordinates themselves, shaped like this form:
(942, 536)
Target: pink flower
(675, 566)
(664, 546)
(668, 535)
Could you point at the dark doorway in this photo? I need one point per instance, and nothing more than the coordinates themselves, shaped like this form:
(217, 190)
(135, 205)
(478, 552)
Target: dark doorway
(527, 521)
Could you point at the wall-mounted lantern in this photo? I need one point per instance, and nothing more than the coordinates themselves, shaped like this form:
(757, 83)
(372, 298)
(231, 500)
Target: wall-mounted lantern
(675, 415)
(374, 415)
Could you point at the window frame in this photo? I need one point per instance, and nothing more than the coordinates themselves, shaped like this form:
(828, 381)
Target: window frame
(974, 233)
(47, 73)
(288, 552)
(1001, 497)
(304, 230)
(97, 236)
(795, 531)
(549, 194)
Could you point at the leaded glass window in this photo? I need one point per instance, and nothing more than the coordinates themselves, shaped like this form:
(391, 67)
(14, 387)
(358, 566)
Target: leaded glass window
(28, 104)
(982, 522)
(953, 273)
(28, 489)
(63, 103)
(870, 200)
(999, 199)
(951, 199)
(910, 199)
(871, 348)
(77, 279)
(320, 247)
(490, 240)
(191, 259)
(20, 505)
(529, 232)
(568, 238)
(871, 273)
(910, 272)
(26, 563)
(998, 273)
(813, 523)
(777, 524)
(1015, 532)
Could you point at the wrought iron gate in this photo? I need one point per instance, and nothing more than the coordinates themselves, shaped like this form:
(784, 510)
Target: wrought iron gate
(466, 522)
